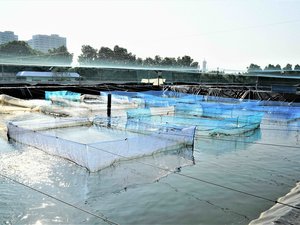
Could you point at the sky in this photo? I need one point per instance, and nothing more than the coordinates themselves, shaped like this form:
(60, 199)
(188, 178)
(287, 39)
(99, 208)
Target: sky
(228, 34)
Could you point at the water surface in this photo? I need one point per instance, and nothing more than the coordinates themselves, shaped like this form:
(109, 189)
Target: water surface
(264, 162)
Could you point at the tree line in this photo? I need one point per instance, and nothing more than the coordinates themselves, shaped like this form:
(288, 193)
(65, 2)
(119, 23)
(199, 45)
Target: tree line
(120, 55)
(20, 51)
(270, 68)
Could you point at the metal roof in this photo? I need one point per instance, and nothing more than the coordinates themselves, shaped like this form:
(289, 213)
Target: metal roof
(47, 74)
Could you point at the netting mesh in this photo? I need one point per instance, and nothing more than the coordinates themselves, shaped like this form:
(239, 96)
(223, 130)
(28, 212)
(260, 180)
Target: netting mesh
(68, 95)
(141, 123)
(204, 126)
(145, 170)
(99, 154)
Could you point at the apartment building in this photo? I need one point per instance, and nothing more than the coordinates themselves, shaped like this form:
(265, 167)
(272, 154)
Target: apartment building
(7, 36)
(45, 42)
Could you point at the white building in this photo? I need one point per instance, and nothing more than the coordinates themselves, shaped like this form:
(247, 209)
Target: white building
(7, 36)
(47, 76)
(45, 42)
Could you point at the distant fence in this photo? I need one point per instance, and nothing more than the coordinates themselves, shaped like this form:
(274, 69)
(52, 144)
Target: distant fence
(121, 76)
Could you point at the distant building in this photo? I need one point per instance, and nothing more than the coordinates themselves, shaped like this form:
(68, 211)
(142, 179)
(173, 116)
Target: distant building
(7, 36)
(45, 42)
(204, 66)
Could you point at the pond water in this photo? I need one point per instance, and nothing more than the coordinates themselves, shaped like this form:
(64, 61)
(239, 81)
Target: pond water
(264, 162)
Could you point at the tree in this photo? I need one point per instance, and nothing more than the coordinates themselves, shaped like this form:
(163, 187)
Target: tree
(139, 61)
(270, 67)
(253, 68)
(17, 48)
(60, 55)
(131, 58)
(297, 67)
(169, 61)
(17, 51)
(149, 62)
(184, 61)
(157, 60)
(278, 67)
(121, 55)
(288, 67)
(105, 54)
(195, 64)
(88, 55)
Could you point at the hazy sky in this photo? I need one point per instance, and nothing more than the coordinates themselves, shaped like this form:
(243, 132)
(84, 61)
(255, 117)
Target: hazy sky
(229, 34)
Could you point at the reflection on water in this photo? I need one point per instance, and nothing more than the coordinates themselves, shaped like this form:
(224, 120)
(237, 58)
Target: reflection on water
(26, 165)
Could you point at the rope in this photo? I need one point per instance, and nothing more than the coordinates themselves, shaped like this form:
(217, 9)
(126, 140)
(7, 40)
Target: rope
(204, 181)
(236, 190)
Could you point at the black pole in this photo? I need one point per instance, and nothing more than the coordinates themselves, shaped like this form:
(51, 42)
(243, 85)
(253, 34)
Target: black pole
(108, 110)
(108, 105)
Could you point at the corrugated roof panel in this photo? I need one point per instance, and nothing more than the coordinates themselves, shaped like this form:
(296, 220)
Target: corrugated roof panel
(47, 74)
